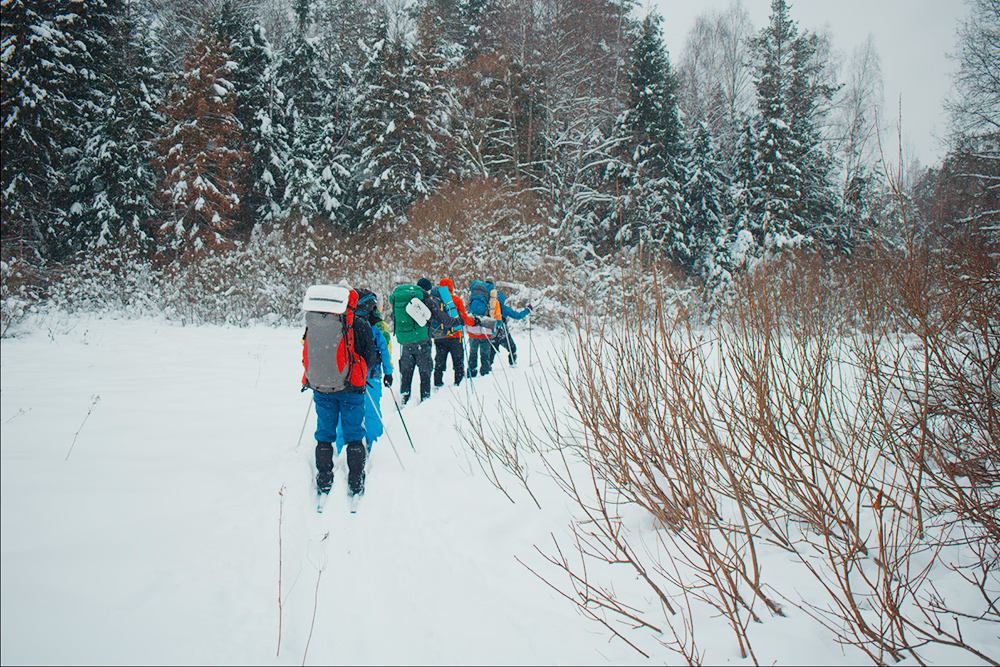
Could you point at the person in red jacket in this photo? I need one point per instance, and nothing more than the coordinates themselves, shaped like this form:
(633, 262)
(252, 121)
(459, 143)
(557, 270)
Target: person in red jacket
(451, 344)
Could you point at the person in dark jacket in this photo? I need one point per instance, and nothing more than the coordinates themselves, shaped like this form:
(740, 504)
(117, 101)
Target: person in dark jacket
(450, 341)
(346, 407)
(417, 353)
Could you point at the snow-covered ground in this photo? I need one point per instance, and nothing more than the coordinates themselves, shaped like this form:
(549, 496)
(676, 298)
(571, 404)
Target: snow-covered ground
(147, 469)
(157, 540)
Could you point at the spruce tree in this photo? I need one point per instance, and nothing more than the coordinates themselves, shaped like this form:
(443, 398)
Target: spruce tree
(257, 108)
(398, 155)
(805, 92)
(47, 66)
(343, 26)
(200, 152)
(706, 194)
(652, 150)
(775, 211)
(790, 198)
(316, 169)
(114, 179)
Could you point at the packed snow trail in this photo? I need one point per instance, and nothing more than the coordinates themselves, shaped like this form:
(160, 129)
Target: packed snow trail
(157, 541)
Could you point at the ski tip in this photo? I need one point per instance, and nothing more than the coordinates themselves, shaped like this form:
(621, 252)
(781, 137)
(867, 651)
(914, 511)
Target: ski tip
(321, 501)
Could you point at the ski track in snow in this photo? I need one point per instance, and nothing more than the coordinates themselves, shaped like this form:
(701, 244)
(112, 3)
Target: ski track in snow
(157, 540)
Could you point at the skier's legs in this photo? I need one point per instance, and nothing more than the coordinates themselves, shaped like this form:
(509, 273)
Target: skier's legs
(373, 412)
(425, 366)
(407, 362)
(356, 466)
(474, 356)
(440, 360)
(327, 418)
(457, 359)
(324, 466)
(352, 414)
(488, 351)
(505, 339)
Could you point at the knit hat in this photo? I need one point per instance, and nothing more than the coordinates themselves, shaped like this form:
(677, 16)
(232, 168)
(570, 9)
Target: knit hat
(423, 283)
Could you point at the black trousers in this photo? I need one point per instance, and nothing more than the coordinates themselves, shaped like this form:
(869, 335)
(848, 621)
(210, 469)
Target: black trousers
(502, 338)
(443, 348)
(411, 356)
(324, 466)
(481, 355)
(356, 454)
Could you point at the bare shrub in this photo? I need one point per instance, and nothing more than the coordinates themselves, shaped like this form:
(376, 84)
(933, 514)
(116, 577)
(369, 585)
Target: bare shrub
(482, 228)
(842, 412)
(22, 287)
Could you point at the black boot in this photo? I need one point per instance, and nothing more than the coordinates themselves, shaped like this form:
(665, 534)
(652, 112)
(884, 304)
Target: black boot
(356, 467)
(324, 466)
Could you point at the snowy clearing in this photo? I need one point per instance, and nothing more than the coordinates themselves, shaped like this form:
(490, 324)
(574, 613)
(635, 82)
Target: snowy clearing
(145, 466)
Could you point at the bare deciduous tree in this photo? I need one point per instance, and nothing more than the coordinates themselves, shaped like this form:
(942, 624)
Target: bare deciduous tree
(716, 72)
(857, 112)
(975, 107)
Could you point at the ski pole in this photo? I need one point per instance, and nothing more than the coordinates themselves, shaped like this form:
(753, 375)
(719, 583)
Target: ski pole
(466, 363)
(379, 415)
(304, 422)
(400, 412)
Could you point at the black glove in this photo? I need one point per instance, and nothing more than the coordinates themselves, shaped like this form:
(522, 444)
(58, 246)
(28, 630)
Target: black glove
(477, 320)
(387, 379)
(530, 308)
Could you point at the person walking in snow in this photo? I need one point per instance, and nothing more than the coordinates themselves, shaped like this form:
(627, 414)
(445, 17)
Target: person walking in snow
(378, 375)
(483, 305)
(449, 341)
(338, 349)
(501, 332)
(413, 308)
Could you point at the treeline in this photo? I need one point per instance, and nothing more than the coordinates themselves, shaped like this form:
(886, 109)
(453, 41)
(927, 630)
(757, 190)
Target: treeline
(165, 132)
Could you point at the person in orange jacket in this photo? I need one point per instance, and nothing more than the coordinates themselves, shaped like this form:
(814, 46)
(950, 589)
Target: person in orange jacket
(451, 343)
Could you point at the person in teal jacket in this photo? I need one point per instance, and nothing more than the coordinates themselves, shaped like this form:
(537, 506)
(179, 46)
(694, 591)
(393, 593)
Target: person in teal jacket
(378, 375)
(501, 333)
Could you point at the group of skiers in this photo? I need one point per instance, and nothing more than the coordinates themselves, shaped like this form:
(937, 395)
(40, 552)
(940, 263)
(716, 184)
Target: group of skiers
(347, 355)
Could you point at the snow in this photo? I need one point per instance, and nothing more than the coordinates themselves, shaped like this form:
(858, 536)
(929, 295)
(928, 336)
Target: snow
(148, 467)
(156, 541)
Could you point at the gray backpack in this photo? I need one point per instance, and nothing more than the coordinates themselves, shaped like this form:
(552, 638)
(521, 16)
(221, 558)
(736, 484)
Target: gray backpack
(332, 364)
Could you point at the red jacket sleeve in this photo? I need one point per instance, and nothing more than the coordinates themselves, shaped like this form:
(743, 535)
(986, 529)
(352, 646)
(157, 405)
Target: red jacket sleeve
(461, 311)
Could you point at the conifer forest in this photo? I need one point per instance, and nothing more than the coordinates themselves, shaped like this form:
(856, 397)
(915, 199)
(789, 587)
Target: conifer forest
(159, 152)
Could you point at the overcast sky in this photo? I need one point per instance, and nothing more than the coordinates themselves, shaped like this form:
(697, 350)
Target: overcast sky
(912, 38)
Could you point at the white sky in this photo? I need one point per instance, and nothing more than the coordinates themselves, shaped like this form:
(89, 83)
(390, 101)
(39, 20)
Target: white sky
(912, 38)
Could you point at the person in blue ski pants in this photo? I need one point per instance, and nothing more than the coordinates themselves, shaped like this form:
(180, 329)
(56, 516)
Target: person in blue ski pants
(344, 410)
(380, 374)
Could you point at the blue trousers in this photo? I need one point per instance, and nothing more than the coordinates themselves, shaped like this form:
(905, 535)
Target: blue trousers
(373, 415)
(344, 409)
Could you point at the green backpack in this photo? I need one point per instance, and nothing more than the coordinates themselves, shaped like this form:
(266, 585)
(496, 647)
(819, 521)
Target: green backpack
(406, 328)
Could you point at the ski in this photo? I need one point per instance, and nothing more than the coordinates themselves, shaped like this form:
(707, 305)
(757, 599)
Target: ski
(321, 499)
(355, 499)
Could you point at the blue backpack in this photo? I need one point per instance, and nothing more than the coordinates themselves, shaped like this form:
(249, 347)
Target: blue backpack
(479, 298)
